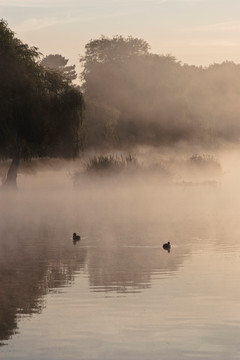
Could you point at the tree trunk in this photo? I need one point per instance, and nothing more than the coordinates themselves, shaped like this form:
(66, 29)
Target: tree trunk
(11, 180)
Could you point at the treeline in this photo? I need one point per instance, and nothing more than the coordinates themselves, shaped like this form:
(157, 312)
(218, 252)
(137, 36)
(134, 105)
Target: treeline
(136, 97)
(128, 96)
(133, 96)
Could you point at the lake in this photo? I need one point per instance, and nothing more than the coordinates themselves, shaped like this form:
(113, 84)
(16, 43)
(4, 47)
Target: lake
(117, 294)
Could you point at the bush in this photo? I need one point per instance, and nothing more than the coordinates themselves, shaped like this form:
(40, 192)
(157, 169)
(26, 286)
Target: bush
(113, 163)
(204, 162)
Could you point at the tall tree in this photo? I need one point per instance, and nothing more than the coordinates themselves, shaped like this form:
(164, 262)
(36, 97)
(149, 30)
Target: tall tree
(136, 97)
(121, 75)
(107, 85)
(40, 112)
(59, 63)
(101, 53)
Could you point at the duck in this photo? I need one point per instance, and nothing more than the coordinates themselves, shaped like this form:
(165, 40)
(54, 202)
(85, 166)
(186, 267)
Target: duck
(76, 237)
(167, 246)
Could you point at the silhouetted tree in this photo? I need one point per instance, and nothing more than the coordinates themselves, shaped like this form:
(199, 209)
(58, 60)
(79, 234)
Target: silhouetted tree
(136, 97)
(101, 54)
(136, 87)
(59, 63)
(40, 112)
(105, 80)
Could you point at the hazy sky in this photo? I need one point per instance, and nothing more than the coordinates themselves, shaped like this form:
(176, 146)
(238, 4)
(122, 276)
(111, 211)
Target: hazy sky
(197, 32)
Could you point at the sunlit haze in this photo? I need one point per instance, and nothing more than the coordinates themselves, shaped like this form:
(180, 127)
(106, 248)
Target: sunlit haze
(199, 32)
(119, 179)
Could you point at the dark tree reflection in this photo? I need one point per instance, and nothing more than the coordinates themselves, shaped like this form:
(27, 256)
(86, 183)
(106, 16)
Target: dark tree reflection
(30, 267)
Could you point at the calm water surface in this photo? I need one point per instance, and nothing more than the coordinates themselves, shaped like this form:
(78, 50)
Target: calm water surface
(117, 294)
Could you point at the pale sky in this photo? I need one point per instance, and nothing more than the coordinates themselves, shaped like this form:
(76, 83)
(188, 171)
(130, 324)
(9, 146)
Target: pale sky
(199, 32)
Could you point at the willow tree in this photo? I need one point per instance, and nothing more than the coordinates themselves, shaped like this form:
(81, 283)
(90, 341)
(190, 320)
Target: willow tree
(40, 112)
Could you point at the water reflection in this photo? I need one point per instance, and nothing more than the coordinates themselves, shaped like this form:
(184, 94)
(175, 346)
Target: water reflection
(36, 259)
(120, 253)
(127, 269)
(33, 262)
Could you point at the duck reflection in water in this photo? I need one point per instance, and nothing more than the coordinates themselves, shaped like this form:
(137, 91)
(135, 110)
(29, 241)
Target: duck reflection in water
(167, 246)
(76, 238)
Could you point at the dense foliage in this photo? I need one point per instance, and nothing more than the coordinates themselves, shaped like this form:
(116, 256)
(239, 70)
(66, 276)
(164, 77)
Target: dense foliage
(58, 63)
(136, 97)
(40, 112)
(132, 97)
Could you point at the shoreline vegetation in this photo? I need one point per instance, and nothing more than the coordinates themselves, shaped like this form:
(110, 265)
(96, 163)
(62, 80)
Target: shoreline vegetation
(129, 98)
(184, 169)
(196, 169)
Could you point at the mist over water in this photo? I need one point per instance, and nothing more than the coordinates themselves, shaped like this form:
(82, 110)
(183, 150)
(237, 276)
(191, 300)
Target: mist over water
(131, 251)
(117, 293)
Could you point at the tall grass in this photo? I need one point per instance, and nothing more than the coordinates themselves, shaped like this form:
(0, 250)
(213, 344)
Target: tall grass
(205, 161)
(161, 168)
(111, 163)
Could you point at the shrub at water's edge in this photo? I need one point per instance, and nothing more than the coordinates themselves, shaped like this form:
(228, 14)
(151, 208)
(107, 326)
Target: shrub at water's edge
(194, 168)
(116, 165)
(204, 162)
(111, 163)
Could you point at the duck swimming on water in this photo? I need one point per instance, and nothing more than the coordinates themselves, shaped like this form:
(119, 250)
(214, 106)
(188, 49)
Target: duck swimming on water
(167, 246)
(76, 237)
